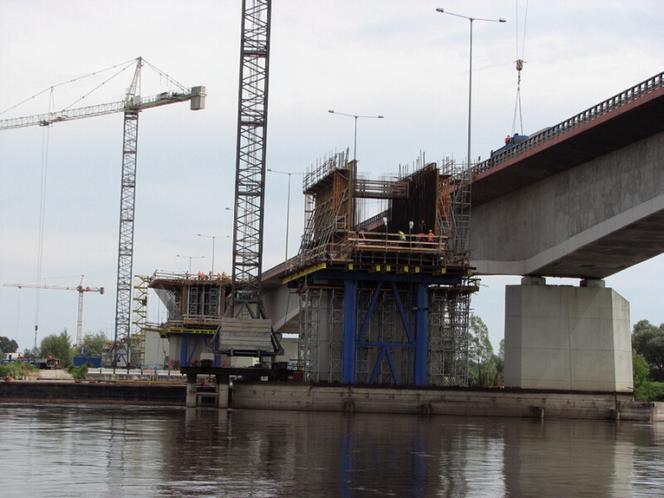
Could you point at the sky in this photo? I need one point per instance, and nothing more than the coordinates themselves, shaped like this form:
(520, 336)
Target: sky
(399, 59)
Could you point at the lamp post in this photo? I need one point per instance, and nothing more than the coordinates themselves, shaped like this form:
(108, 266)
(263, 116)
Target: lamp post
(213, 237)
(355, 117)
(185, 256)
(289, 173)
(470, 72)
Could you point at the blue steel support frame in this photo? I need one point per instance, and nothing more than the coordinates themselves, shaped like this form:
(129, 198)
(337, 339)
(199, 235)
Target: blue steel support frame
(385, 348)
(184, 346)
(417, 339)
(350, 329)
(421, 336)
(192, 353)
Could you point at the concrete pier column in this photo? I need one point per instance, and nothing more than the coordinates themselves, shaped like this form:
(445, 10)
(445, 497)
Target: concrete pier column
(421, 336)
(350, 329)
(191, 391)
(565, 337)
(222, 392)
(222, 396)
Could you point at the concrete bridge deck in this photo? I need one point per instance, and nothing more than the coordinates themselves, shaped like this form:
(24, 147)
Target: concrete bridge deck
(584, 198)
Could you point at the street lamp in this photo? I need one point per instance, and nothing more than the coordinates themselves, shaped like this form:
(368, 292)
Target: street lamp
(470, 72)
(355, 117)
(289, 173)
(213, 237)
(185, 256)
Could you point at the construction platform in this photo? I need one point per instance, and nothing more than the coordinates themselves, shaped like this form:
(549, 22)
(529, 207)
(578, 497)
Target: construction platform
(383, 296)
(197, 326)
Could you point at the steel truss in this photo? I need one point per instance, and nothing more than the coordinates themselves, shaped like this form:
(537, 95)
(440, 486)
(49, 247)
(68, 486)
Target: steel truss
(250, 163)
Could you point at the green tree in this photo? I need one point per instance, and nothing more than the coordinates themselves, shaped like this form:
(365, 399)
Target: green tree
(648, 341)
(640, 370)
(58, 346)
(7, 345)
(93, 344)
(31, 353)
(483, 367)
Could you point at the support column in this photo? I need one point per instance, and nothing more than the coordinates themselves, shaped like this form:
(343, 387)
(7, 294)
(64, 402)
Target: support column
(191, 400)
(217, 354)
(421, 336)
(350, 328)
(184, 351)
(570, 338)
(222, 392)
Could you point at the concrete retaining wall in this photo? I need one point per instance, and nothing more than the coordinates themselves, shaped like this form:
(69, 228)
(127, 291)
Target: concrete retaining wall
(302, 397)
(86, 392)
(496, 403)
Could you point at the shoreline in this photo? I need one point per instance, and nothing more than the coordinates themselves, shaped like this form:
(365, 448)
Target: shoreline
(351, 399)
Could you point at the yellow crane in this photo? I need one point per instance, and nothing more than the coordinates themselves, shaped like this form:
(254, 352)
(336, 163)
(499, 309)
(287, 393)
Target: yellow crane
(79, 288)
(132, 104)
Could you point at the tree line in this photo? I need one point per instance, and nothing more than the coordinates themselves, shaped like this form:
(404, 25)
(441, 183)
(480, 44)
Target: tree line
(60, 346)
(648, 361)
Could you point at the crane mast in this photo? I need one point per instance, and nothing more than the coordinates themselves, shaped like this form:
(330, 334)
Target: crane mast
(121, 342)
(250, 159)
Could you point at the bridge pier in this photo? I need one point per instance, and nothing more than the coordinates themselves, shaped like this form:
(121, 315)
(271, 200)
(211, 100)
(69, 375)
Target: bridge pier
(565, 337)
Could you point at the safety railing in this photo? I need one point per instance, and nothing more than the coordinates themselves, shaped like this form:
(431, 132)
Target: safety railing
(605, 107)
(397, 242)
(166, 275)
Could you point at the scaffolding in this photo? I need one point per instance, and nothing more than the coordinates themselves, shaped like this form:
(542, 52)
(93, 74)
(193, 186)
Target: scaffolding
(140, 317)
(384, 298)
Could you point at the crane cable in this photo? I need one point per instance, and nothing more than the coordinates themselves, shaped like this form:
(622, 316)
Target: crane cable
(85, 95)
(520, 55)
(42, 214)
(62, 83)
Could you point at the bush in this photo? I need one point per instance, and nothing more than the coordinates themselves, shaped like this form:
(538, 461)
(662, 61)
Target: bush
(16, 370)
(78, 373)
(650, 391)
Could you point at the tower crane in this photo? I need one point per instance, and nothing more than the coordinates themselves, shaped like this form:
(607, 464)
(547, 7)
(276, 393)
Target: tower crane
(245, 315)
(79, 288)
(132, 104)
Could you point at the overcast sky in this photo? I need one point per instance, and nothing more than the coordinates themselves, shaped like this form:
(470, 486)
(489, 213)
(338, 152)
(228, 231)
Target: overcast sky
(396, 58)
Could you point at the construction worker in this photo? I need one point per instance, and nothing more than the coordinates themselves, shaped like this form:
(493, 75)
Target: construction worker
(402, 235)
(430, 236)
(421, 235)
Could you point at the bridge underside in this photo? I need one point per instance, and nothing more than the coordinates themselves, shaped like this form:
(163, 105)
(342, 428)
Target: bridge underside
(615, 252)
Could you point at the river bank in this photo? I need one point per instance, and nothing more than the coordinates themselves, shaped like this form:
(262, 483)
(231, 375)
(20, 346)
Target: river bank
(353, 399)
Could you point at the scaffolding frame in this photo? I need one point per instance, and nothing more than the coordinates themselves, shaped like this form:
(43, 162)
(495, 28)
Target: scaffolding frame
(379, 306)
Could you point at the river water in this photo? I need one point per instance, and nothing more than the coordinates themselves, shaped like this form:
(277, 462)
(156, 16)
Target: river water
(114, 451)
